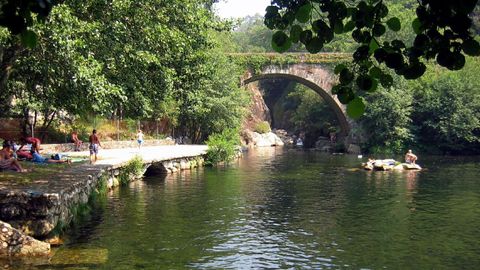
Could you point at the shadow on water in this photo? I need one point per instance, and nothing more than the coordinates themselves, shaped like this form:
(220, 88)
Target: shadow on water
(283, 208)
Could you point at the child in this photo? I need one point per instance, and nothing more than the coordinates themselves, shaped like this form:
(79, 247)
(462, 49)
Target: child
(140, 138)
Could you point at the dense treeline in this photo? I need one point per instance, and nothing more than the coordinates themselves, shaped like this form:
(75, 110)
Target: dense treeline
(438, 113)
(125, 59)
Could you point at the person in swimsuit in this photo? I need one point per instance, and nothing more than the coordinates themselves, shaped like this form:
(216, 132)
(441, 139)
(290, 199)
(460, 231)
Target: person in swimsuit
(6, 160)
(35, 142)
(410, 157)
(94, 145)
(76, 141)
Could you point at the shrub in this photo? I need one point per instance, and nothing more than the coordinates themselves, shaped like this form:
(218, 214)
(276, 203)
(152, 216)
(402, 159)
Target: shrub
(222, 147)
(133, 169)
(262, 127)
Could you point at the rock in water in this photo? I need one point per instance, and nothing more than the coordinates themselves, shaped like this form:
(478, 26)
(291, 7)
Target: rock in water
(15, 243)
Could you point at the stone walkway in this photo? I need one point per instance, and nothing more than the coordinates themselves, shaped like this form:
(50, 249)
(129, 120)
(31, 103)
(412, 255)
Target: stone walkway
(73, 175)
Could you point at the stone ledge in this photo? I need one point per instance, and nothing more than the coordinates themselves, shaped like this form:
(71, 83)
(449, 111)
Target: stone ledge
(67, 147)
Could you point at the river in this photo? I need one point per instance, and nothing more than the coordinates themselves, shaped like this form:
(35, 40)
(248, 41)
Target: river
(281, 208)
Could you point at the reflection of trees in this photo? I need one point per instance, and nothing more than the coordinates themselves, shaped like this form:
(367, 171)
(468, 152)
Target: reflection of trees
(281, 206)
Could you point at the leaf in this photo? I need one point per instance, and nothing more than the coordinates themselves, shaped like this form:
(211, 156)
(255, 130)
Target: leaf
(394, 24)
(373, 46)
(417, 26)
(356, 108)
(29, 39)
(315, 45)
(295, 32)
(303, 13)
(379, 30)
(346, 76)
(375, 72)
(281, 42)
(364, 82)
(471, 47)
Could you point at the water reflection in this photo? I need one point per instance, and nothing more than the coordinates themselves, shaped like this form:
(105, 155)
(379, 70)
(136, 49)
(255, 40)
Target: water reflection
(280, 208)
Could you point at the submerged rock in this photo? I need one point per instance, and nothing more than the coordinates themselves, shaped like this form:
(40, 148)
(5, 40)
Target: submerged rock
(15, 243)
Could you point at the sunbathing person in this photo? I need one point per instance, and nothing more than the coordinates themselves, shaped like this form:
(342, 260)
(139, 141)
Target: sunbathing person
(7, 162)
(37, 158)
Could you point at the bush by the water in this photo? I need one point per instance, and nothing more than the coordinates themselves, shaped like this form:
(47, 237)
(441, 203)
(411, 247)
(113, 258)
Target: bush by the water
(222, 147)
(263, 127)
(133, 169)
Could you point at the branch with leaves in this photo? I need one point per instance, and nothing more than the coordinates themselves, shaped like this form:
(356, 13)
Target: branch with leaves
(442, 31)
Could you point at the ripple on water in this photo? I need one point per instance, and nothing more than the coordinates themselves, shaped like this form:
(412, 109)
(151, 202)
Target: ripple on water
(287, 209)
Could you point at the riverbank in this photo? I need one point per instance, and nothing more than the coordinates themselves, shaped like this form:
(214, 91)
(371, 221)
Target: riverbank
(48, 200)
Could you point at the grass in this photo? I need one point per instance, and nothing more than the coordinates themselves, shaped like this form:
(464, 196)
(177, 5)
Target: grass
(37, 172)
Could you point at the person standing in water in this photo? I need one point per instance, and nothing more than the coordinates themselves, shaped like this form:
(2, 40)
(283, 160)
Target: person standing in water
(94, 145)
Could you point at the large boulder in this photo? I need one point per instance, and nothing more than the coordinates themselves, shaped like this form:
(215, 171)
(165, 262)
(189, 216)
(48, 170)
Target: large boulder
(265, 140)
(285, 136)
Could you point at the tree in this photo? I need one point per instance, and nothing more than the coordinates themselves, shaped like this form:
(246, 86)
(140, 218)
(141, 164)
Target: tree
(131, 59)
(441, 29)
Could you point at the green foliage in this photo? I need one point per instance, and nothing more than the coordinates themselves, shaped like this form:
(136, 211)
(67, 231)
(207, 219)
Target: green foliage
(441, 30)
(133, 169)
(17, 16)
(129, 60)
(448, 110)
(263, 127)
(439, 113)
(222, 147)
(387, 120)
(102, 187)
(310, 113)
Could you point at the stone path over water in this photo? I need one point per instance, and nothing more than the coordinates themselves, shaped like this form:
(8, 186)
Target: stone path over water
(68, 177)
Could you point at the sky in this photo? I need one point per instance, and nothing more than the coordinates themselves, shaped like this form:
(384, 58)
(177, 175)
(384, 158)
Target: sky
(241, 8)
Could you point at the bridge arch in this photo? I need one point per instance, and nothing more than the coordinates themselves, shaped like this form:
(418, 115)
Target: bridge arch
(314, 76)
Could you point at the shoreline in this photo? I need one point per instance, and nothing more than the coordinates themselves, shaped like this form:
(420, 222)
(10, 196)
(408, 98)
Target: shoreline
(42, 206)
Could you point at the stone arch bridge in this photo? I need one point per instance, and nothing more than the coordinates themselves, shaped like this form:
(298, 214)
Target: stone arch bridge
(313, 71)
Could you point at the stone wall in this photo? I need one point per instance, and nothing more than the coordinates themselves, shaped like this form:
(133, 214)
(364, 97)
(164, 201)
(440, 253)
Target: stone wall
(68, 147)
(38, 214)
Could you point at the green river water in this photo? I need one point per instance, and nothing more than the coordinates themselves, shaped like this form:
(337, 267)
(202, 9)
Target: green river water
(286, 209)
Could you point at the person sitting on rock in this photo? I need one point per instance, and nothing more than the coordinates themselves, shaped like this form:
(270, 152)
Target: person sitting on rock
(6, 160)
(76, 141)
(410, 157)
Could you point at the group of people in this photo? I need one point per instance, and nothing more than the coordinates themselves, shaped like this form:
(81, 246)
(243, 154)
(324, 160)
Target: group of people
(11, 153)
(94, 144)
